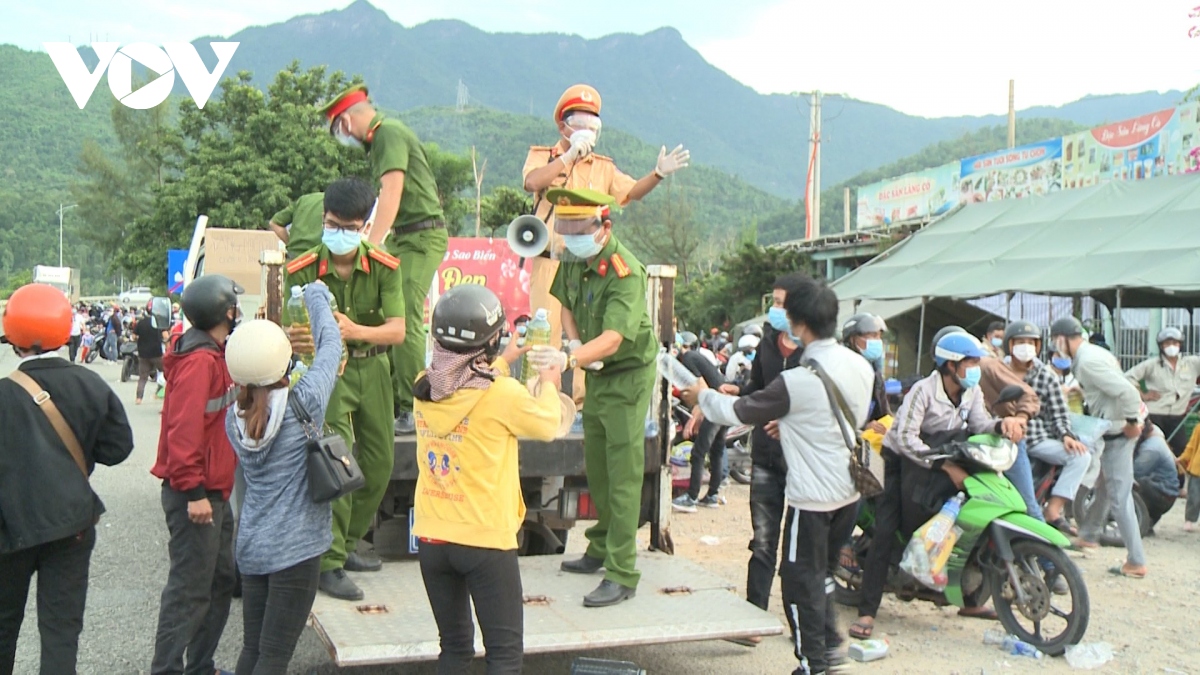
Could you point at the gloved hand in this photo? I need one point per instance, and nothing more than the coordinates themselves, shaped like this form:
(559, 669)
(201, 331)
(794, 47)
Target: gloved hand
(594, 366)
(545, 356)
(582, 142)
(670, 162)
(574, 345)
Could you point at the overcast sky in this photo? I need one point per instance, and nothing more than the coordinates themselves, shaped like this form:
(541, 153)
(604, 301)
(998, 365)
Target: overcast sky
(929, 57)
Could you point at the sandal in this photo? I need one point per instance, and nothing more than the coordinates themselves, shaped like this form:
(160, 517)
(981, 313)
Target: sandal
(848, 560)
(984, 613)
(1062, 525)
(1084, 545)
(860, 630)
(1121, 571)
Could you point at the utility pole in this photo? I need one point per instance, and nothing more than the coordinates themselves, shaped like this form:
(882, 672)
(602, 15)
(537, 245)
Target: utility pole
(463, 98)
(478, 170)
(62, 208)
(812, 228)
(1012, 115)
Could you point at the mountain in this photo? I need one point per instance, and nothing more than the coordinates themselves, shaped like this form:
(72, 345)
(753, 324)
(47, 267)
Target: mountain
(654, 86)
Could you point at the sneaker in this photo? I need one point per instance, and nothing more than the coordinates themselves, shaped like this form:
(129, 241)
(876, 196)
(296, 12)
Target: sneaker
(712, 501)
(684, 503)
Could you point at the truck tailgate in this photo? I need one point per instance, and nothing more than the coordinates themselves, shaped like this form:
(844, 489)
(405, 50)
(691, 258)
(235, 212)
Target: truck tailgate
(394, 624)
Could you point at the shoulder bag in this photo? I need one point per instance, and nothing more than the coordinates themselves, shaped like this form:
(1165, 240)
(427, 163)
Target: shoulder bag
(41, 398)
(332, 470)
(860, 453)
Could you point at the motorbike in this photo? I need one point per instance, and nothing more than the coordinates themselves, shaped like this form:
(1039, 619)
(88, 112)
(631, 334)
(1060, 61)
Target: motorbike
(97, 344)
(127, 355)
(1003, 553)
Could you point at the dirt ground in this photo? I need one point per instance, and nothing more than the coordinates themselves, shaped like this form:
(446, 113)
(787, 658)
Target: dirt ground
(1151, 624)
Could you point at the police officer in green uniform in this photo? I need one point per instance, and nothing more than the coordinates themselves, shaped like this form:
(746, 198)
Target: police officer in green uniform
(409, 210)
(365, 281)
(602, 288)
(299, 224)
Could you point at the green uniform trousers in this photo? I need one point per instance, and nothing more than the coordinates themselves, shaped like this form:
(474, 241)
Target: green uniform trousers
(420, 254)
(614, 438)
(360, 409)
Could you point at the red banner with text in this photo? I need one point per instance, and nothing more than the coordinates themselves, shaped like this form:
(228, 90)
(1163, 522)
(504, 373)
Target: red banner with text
(487, 262)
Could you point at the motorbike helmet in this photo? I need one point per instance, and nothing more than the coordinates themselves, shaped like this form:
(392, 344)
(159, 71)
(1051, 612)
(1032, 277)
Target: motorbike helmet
(937, 337)
(467, 317)
(956, 347)
(258, 353)
(1021, 329)
(1068, 326)
(860, 323)
(1169, 333)
(753, 329)
(38, 318)
(748, 343)
(688, 339)
(207, 300)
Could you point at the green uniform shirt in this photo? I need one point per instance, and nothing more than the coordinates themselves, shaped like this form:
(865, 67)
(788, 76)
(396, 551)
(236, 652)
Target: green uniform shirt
(373, 294)
(395, 147)
(306, 216)
(608, 301)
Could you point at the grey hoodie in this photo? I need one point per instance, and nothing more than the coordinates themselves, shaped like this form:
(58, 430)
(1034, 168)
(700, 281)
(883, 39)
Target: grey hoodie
(280, 526)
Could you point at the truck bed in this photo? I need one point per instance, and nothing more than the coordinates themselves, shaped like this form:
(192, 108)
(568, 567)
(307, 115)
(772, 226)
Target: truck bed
(394, 624)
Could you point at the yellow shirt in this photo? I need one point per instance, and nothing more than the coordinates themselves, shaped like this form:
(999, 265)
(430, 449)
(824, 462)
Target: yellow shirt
(469, 485)
(595, 172)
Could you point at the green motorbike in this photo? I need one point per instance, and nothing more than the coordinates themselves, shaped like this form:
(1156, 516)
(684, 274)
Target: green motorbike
(1003, 553)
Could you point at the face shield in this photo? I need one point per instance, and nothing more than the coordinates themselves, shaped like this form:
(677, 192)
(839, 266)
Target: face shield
(580, 233)
(582, 121)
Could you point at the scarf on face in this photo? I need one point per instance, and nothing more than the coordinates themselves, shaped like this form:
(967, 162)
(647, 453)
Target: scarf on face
(451, 371)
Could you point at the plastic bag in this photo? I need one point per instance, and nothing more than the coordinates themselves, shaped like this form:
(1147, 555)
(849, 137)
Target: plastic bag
(925, 559)
(1089, 429)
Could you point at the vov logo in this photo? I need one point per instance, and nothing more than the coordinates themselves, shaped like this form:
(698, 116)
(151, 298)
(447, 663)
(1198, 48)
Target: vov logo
(173, 57)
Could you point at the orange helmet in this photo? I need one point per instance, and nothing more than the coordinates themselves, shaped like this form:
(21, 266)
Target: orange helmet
(37, 317)
(577, 97)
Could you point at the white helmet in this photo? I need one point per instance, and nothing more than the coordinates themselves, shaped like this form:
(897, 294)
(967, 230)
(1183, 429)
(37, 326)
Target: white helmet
(258, 353)
(748, 342)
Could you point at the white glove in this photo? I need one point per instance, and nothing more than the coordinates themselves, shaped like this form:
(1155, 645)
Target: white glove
(594, 365)
(573, 345)
(582, 142)
(669, 163)
(542, 357)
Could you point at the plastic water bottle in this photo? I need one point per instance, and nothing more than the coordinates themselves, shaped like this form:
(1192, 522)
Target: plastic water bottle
(299, 316)
(537, 332)
(675, 372)
(868, 650)
(1018, 648)
(995, 636)
(940, 526)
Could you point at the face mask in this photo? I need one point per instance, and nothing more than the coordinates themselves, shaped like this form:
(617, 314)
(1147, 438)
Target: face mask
(1024, 353)
(997, 342)
(1061, 362)
(1171, 352)
(777, 317)
(345, 138)
(873, 351)
(795, 338)
(583, 246)
(971, 377)
(751, 355)
(341, 242)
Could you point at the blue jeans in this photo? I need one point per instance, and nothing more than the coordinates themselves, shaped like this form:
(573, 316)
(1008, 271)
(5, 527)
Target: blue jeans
(1021, 475)
(1114, 493)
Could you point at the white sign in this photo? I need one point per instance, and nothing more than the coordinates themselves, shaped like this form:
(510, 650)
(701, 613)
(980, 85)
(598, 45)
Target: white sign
(171, 57)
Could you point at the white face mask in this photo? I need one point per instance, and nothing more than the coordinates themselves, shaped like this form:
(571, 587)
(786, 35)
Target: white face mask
(1171, 351)
(343, 136)
(1024, 353)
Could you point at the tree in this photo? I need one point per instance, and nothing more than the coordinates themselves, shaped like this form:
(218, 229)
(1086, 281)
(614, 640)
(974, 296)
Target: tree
(454, 176)
(734, 293)
(662, 229)
(499, 208)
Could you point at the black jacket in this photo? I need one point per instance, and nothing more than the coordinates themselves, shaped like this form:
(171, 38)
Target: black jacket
(43, 495)
(700, 366)
(767, 365)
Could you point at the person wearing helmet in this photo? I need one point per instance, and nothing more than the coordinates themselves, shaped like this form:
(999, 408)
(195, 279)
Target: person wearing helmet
(570, 163)
(603, 295)
(49, 509)
(408, 221)
(738, 367)
(1111, 396)
(753, 329)
(1048, 435)
(1166, 383)
(468, 507)
(196, 465)
(281, 532)
(863, 333)
(708, 438)
(368, 286)
(946, 406)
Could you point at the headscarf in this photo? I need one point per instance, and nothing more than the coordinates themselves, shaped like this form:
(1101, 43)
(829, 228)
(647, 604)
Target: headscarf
(451, 371)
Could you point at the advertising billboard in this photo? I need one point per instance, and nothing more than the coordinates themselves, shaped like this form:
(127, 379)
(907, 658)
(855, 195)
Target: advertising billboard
(1034, 169)
(487, 262)
(910, 197)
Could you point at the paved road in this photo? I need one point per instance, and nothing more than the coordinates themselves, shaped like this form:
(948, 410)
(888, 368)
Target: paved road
(129, 569)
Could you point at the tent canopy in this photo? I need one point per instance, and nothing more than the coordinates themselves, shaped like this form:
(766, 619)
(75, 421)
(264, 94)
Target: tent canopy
(1142, 237)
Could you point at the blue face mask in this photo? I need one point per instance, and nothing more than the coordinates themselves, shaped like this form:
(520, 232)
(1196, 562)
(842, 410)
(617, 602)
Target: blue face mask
(583, 246)
(971, 378)
(777, 317)
(997, 342)
(340, 242)
(1061, 362)
(751, 355)
(873, 351)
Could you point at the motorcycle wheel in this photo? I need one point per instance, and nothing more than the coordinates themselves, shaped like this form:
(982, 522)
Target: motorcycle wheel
(1042, 620)
(1111, 535)
(92, 356)
(739, 476)
(126, 369)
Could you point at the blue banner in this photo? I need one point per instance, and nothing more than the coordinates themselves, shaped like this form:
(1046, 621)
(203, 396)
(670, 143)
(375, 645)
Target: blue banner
(176, 259)
(1034, 169)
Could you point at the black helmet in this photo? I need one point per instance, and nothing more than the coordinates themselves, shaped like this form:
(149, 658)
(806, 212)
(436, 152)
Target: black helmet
(207, 300)
(943, 333)
(1068, 326)
(1021, 329)
(688, 339)
(753, 329)
(467, 317)
(860, 323)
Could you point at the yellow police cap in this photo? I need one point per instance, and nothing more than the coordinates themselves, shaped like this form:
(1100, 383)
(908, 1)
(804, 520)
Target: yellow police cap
(577, 97)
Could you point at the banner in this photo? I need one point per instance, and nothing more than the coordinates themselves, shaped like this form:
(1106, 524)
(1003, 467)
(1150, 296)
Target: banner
(487, 262)
(176, 260)
(912, 196)
(1034, 169)
(1143, 147)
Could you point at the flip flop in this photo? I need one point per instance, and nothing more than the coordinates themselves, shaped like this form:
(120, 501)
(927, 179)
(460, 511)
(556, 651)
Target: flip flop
(1121, 572)
(848, 560)
(986, 615)
(861, 631)
(1062, 525)
(1084, 545)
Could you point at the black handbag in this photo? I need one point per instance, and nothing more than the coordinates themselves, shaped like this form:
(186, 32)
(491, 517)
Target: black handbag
(865, 482)
(332, 470)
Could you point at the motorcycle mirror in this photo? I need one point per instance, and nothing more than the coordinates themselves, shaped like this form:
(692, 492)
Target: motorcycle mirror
(1010, 393)
(160, 311)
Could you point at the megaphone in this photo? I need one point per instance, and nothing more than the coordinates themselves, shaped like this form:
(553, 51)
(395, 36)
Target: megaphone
(528, 236)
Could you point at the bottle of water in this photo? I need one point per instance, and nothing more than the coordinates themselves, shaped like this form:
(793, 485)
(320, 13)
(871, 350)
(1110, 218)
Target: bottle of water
(675, 372)
(537, 332)
(995, 636)
(1016, 647)
(940, 526)
(298, 314)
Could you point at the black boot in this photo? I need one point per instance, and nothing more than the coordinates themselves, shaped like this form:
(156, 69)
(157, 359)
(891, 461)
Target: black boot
(336, 584)
(583, 565)
(607, 594)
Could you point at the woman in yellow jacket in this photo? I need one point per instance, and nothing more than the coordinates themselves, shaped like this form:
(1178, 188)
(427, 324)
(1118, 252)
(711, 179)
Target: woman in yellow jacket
(469, 508)
(1189, 464)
